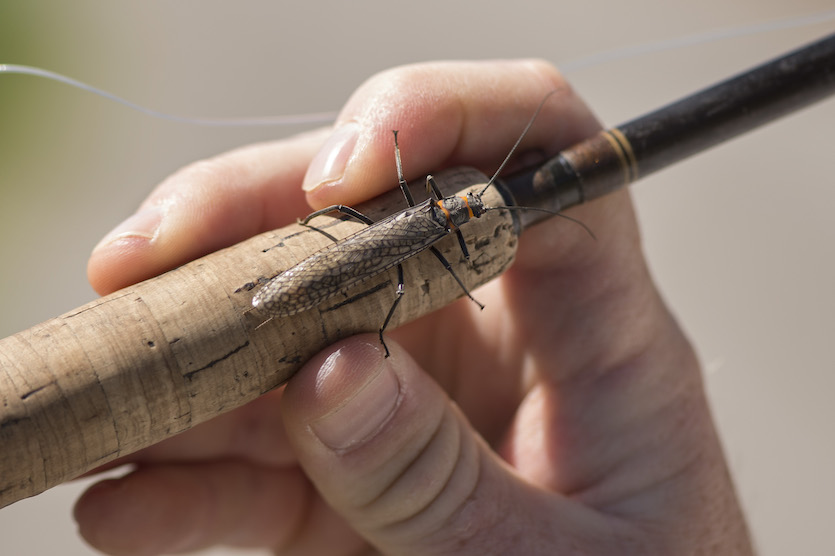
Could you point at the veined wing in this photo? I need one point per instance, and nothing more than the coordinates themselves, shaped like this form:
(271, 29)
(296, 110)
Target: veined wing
(358, 257)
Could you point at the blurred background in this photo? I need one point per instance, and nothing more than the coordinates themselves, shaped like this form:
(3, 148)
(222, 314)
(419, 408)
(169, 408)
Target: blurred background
(740, 238)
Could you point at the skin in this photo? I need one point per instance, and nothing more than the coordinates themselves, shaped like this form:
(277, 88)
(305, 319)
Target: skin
(568, 417)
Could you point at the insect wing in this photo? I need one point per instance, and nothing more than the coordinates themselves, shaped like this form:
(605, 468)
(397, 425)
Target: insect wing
(358, 257)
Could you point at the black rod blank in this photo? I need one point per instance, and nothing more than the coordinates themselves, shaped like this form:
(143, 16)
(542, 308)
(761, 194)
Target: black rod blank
(616, 157)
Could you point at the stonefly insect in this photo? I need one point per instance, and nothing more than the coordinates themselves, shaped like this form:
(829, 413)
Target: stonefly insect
(382, 245)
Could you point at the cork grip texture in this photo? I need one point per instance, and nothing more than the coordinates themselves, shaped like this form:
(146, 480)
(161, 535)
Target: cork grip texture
(147, 362)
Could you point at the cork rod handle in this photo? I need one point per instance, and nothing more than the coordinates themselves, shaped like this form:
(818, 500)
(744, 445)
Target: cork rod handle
(147, 362)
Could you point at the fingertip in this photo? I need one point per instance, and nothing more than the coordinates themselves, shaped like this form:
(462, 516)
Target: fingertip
(329, 164)
(113, 517)
(412, 100)
(350, 414)
(119, 261)
(88, 512)
(143, 225)
(159, 238)
(176, 507)
(344, 395)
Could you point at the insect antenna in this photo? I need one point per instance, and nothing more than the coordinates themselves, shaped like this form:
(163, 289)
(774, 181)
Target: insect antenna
(517, 143)
(507, 158)
(551, 212)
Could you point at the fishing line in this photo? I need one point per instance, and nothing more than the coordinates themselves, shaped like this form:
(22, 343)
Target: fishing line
(292, 119)
(567, 68)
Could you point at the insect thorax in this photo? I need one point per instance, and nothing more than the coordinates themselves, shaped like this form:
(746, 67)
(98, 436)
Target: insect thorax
(460, 209)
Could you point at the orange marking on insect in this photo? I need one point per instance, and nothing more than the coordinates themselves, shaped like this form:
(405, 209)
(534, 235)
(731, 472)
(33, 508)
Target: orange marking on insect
(467, 204)
(446, 212)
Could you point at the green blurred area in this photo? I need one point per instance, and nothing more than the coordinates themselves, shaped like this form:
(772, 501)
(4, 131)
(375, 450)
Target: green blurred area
(28, 36)
(39, 128)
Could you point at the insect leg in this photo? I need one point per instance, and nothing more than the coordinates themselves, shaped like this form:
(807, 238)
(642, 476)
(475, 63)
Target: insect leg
(433, 189)
(401, 289)
(339, 208)
(404, 186)
(462, 243)
(457, 279)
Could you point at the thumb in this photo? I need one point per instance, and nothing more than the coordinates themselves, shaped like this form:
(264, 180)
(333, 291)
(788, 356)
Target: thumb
(389, 451)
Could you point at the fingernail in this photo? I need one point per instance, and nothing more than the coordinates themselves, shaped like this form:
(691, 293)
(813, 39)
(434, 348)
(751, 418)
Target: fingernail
(363, 411)
(143, 224)
(329, 163)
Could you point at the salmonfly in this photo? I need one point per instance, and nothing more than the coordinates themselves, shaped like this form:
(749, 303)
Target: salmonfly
(382, 245)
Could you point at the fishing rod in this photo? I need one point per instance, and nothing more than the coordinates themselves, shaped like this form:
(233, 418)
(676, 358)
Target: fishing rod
(154, 359)
(616, 157)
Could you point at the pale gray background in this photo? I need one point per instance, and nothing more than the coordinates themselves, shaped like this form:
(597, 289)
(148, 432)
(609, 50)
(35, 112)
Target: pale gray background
(740, 239)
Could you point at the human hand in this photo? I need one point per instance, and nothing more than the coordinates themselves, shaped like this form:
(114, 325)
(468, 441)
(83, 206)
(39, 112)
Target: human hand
(567, 417)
